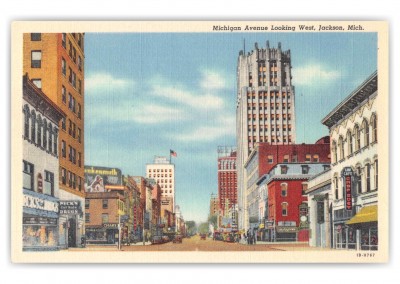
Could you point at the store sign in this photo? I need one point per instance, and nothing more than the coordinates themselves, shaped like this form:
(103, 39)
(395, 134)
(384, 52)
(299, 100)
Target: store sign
(111, 225)
(71, 207)
(286, 229)
(96, 178)
(347, 175)
(40, 182)
(39, 221)
(269, 223)
(39, 203)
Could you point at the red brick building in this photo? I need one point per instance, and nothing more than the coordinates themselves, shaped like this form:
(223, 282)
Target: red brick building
(227, 178)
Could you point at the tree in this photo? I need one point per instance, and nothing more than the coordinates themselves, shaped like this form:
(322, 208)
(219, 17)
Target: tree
(203, 228)
(213, 219)
(191, 227)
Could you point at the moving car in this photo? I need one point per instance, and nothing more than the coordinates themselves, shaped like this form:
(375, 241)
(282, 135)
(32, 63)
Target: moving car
(177, 239)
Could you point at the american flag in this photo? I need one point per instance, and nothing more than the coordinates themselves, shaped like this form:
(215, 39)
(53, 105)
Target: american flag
(172, 153)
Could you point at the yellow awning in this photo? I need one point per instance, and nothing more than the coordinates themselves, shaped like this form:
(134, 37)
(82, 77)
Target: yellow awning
(365, 215)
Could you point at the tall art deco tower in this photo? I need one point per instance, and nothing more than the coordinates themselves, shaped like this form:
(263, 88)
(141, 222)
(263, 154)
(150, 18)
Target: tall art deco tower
(264, 108)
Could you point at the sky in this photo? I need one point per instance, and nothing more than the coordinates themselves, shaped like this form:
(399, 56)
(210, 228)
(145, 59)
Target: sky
(148, 93)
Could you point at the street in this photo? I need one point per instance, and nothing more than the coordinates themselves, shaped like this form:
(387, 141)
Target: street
(195, 244)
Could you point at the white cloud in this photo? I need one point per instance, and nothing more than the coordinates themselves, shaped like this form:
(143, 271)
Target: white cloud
(101, 81)
(212, 80)
(314, 74)
(151, 114)
(193, 99)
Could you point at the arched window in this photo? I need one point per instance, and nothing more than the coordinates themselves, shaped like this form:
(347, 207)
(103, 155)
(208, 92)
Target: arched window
(44, 133)
(50, 138)
(341, 148)
(358, 179)
(284, 208)
(284, 189)
(33, 126)
(365, 126)
(374, 128)
(334, 151)
(336, 187)
(349, 143)
(357, 137)
(368, 176)
(39, 130)
(55, 144)
(26, 121)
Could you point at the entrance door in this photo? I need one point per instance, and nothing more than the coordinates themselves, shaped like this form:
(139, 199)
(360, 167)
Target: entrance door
(72, 233)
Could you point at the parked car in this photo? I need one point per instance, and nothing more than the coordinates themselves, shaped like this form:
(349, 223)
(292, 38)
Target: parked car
(165, 239)
(157, 240)
(177, 239)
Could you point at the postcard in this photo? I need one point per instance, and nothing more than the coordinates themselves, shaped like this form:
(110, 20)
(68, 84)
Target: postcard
(200, 142)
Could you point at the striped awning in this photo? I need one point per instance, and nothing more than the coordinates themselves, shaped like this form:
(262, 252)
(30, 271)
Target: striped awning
(365, 215)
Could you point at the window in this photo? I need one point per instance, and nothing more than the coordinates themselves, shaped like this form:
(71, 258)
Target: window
(44, 134)
(50, 138)
(284, 209)
(87, 203)
(79, 135)
(376, 175)
(336, 188)
(326, 167)
(37, 82)
(63, 67)
(36, 36)
(270, 159)
(64, 40)
(48, 183)
(105, 203)
(284, 189)
(79, 183)
(357, 137)
(70, 75)
(26, 121)
(79, 159)
(284, 170)
(305, 169)
(55, 133)
(294, 158)
(63, 176)
(64, 94)
(286, 158)
(63, 149)
(308, 158)
(79, 63)
(315, 158)
(64, 123)
(374, 128)
(334, 151)
(28, 170)
(341, 148)
(33, 127)
(358, 177)
(80, 86)
(39, 133)
(366, 132)
(368, 177)
(87, 216)
(69, 179)
(104, 218)
(36, 59)
(349, 143)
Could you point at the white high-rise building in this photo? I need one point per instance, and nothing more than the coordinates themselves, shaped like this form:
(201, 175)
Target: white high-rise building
(264, 108)
(163, 172)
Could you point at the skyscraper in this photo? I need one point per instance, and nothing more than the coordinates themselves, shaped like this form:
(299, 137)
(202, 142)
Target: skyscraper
(264, 108)
(163, 172)
(55, 64)
(227, 182)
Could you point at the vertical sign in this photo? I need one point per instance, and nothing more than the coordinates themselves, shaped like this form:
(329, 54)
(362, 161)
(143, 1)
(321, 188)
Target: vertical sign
(347, 174)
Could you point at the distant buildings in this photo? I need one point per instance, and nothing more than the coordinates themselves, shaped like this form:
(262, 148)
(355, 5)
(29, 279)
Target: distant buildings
(227, 182)
(214, 205)
(265, 108)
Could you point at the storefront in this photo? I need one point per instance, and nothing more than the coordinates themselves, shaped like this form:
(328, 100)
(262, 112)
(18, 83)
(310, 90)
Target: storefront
(286, 234)
(365, 222)
(40, 222)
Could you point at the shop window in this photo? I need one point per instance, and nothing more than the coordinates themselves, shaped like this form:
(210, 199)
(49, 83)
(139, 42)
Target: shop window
(28, 170)
(48, 183)
(36, 59)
